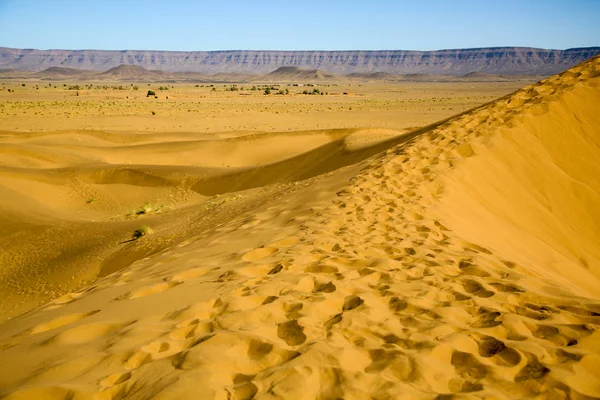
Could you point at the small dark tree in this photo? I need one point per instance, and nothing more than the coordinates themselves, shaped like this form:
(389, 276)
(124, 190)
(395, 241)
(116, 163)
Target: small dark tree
(150, 93)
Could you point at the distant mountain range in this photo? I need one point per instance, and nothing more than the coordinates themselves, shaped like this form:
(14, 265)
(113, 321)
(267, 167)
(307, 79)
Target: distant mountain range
(133, 73)
(494, 60)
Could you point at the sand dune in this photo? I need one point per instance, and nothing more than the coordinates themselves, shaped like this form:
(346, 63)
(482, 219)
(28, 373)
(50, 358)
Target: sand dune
(459, 260)
(88, 184)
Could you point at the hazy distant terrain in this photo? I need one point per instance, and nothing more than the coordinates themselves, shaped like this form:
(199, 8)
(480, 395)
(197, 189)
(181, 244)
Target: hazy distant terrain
(496, 60)
(134, 73)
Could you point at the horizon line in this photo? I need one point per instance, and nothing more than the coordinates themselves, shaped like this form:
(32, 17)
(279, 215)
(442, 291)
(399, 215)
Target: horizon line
(290, 51)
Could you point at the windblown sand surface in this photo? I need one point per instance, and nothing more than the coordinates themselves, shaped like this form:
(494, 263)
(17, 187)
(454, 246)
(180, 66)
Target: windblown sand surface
(459, 260)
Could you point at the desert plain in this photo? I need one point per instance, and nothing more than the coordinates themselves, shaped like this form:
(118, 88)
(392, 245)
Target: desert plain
(382, 240)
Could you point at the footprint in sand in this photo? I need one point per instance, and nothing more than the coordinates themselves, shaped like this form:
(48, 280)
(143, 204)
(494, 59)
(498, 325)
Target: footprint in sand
(260, 270)
(61, 321)
(475, 288)
(533, 370)
(327, 287)
(115, 379)
(401, 366)
(193, 328)
(291, 332)
(490, 346)
(352, 302)
(136, 360)
(467, 366)
(258, 349)
(243, 387)
(292, 310)
(156, 347)
(485, 318)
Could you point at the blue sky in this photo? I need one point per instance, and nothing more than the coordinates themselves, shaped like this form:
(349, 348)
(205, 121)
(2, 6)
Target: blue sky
(298, 25)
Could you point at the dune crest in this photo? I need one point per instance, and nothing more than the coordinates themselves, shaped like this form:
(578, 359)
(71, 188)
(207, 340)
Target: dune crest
(423, 271)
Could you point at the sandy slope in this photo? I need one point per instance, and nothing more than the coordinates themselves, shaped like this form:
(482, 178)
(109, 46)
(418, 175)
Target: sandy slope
(459, 260)
(71, 201)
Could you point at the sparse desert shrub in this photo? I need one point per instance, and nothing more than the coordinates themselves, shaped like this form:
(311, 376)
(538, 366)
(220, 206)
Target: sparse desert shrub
(268, 91)
(153, 112)
(150, 93)
(135, 87)
(163, 88)
(147, 209)
(74, 87)
(197, 86)
(141, 231)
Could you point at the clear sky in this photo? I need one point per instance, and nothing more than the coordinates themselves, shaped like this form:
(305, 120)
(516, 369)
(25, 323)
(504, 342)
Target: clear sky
(298, 25)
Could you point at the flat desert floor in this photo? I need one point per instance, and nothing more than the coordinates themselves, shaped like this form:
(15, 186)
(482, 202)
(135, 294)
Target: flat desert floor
(380, 241)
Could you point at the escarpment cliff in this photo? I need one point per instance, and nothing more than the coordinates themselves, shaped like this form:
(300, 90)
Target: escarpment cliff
(498, 60)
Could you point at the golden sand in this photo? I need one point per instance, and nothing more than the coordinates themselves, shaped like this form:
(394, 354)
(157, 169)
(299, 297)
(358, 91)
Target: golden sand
(460, 259)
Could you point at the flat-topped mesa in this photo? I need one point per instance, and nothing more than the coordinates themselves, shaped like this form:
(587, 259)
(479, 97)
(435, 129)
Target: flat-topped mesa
(494, 60)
